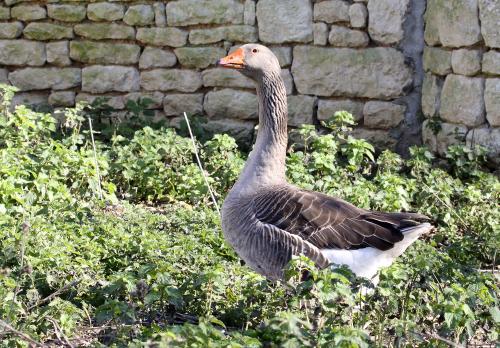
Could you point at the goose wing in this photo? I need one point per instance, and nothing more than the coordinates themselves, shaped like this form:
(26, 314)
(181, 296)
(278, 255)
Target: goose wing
(329, 222)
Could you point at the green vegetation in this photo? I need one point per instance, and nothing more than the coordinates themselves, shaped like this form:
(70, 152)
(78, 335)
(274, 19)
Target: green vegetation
(146, 264)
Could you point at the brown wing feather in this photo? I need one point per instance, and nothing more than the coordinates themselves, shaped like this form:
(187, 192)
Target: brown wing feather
(329, 222)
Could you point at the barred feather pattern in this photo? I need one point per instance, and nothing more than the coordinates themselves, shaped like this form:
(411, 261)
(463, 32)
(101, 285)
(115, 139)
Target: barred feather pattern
(329, 222)
(272, 101)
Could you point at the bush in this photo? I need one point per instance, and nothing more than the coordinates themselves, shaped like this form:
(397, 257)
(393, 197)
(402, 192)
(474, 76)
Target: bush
(78, 270)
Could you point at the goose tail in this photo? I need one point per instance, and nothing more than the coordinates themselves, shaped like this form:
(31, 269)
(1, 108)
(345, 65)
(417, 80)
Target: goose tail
(411, 234)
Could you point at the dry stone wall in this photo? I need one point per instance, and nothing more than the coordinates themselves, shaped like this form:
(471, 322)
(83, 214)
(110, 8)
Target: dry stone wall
(364, 56)
(335, 55)
(461, 88)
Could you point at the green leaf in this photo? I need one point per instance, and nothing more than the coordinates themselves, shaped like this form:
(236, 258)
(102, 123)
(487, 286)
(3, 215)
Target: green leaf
(495, 314)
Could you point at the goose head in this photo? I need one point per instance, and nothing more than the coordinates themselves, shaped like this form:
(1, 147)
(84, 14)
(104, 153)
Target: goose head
(252, 60)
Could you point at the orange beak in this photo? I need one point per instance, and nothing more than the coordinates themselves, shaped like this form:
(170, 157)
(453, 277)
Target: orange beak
(235, 60)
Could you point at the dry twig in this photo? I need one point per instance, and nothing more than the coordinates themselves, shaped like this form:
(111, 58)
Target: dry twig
(20, 334)
(57, 293)
(199, 164)
(424, 336)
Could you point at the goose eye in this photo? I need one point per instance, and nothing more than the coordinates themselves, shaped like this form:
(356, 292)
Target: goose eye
(254, 50)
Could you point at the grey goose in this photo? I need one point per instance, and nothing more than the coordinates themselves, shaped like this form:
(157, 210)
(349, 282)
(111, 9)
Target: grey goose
(267, 220)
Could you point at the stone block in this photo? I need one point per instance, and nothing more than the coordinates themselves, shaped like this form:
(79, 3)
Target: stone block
(452, 23)
(58, 53)
(221, 77)
(449, 134)
(345, 37)
(160, 14)
(29, 79)
(491, 62)
(139, 15)
(327, 108)
(240, 33)
(378, 73)
(30, 99)
(432, 18)
(229, 103)
(192, 12)
(462, 100)
(153, 57)
(241, 131)
(320, 33)
(62, 98)
(199, 57)
(492, 101)
(489, 14)
(249, 12)
(156, 98)
(28, 13)
(177, 104)
(379, 138)
(232, 33)
(4, 76)
(22, 52)
(487, 137)
(185, 81)
(286, 75)
(431, 92)
(4, 12)
(100, 31)
(206, 36)
(428, 137)
(162, 36)
(383, 115)
(105, 11)
(114, 101)
(437, 60)
(101, 79)
(47, 31)
(331, 11)
(358, 15)
(104, 53)
(466, 62)
(300, 109)
(285, 21)
(11, 30)
(67, 13)
(284, 55)
(385, 23)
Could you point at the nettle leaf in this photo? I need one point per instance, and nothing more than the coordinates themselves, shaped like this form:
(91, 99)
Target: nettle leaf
(495, 314)
(150, 266)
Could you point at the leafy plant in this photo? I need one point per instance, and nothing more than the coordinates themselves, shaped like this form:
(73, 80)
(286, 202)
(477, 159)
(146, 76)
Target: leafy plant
(151, 268)
(466, 161)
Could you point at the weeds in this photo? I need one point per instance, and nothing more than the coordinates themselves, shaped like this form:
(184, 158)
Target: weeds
(148, 266)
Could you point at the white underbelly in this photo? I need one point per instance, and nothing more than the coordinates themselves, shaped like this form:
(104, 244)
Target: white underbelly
(366, 262)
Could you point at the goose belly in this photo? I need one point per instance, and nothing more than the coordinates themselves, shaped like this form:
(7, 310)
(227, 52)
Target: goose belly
(366, 262)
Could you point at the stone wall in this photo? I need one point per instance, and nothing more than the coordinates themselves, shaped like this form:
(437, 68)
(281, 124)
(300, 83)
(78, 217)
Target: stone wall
(335, 55)
(461, 89)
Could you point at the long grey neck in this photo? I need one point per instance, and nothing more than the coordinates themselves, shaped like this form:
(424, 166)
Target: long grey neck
(266, 163)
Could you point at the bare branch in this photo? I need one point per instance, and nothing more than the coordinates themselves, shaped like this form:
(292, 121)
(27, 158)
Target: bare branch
(20, 334)
(57, 293)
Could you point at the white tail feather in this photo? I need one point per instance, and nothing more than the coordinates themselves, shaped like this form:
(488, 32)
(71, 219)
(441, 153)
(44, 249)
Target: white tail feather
(366, 262)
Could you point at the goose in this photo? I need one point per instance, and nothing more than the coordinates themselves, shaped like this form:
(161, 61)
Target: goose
(267, 220)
